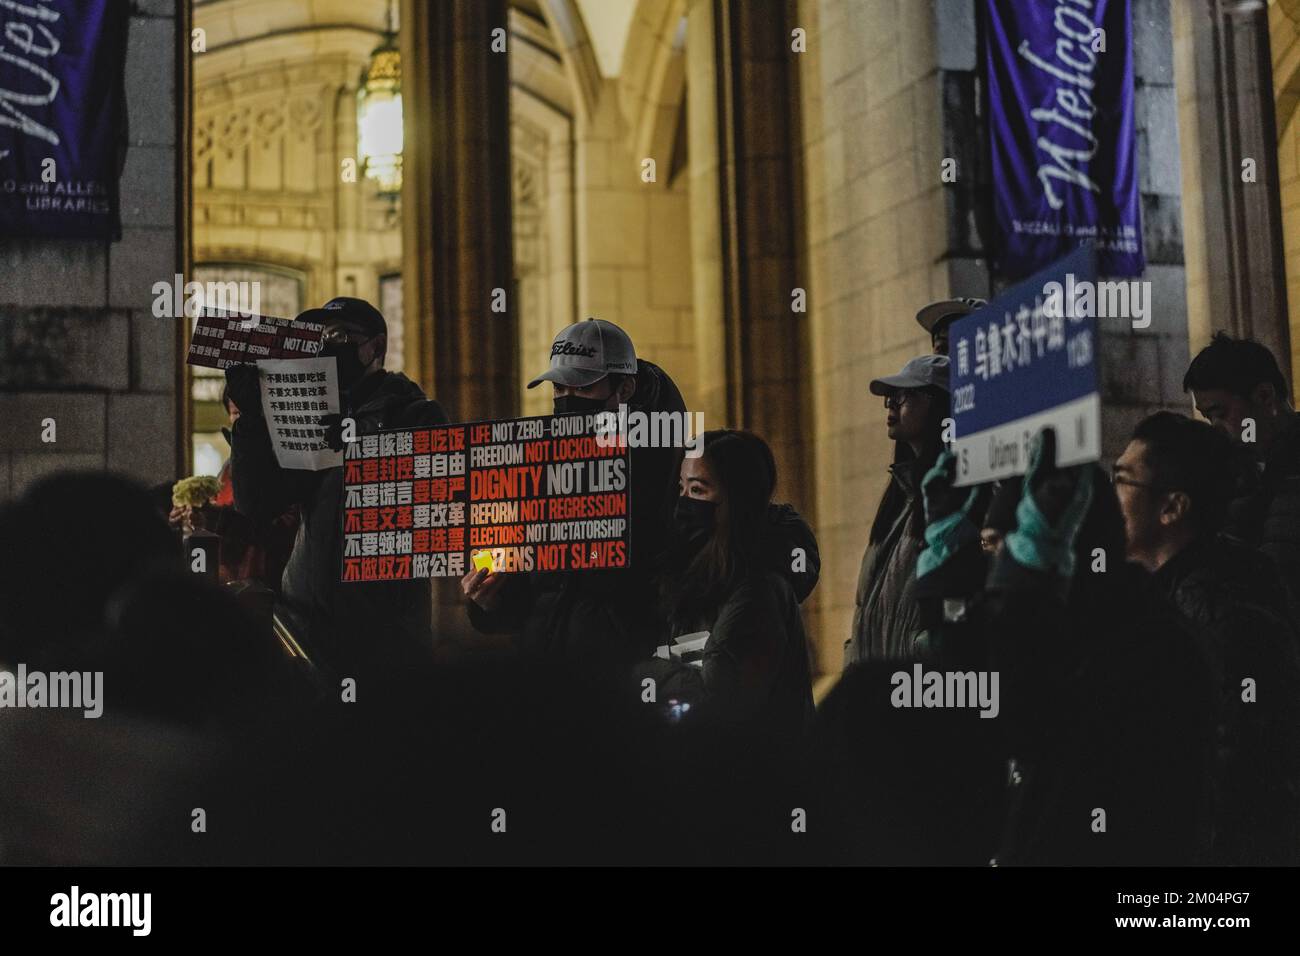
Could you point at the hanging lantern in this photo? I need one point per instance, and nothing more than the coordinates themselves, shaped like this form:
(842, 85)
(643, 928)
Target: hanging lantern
(379, 116)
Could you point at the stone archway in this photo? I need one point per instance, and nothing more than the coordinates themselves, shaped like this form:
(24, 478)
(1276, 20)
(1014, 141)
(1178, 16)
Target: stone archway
(652, 85)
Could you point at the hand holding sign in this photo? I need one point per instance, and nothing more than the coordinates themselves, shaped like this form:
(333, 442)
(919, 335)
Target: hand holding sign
(938, 491)
(1053, 488)
(483, 587)
(297, 394)
(244, 389)
(333, 425)
(1049, 516)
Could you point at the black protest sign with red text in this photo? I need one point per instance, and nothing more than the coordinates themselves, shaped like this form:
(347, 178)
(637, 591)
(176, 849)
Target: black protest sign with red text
(536, 494)
(221, 339)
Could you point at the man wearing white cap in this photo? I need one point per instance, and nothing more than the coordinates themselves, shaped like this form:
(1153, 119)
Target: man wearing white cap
(598, 622)
(593, 368)
(886, 617)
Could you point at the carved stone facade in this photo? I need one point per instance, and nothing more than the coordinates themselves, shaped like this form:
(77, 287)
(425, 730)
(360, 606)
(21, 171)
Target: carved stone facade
(274, 143)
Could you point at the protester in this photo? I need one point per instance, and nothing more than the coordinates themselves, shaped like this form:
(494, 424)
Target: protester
(885, 619)
(1174, 482)
(345, 627)
(1239, 388)
(600, 622)
(1107, 699)
(249, 550)
(937, 318)
(754, 663)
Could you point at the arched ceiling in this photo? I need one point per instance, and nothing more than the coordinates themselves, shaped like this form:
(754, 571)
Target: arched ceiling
(608, 24)
(563, 48)
(244, 35)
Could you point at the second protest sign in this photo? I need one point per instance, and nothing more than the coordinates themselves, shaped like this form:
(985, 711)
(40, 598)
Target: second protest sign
(530, 494)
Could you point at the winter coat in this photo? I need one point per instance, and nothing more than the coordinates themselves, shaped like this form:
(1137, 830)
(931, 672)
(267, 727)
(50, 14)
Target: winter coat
(1266, 512)
(598, 623)
(1108, 711)
(755, 665)
(344, 627)
(755, 669)
(885, 616)
(250, 550)
(1234, 596)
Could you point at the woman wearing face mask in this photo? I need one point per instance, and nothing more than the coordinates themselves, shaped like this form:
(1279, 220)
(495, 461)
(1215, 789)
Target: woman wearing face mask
(754, 667)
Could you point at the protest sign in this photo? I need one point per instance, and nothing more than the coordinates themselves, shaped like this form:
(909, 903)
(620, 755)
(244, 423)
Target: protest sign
(535, 494)
(1025, 361)
(222, 338)
(295, 394)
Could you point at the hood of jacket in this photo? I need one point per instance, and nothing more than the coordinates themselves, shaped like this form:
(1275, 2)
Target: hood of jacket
(785, 532)
(379, 398)
(655, 390)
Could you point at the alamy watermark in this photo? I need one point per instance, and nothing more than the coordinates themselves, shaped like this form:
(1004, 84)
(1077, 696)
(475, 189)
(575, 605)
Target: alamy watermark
(76, 909)
(922, 688)
(1085, 299)
(178, 298)
(638, 429)
(76, 690)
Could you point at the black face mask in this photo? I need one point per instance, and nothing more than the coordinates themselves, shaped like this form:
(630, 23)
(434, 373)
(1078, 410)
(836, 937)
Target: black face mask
(568, 404)
(694, 517)
(345, 354)
(225, 433)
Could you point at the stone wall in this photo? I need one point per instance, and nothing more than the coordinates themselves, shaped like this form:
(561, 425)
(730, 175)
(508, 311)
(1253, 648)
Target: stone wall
(876, 233)
(78, 340)
(633, 244)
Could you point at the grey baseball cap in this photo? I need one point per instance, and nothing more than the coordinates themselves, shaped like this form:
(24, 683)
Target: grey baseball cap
(585, 352)
(919, 372)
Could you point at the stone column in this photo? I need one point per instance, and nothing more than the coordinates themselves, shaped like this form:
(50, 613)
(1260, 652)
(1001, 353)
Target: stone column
(457, 191)
(1233, 118)
(457, 243)
(766, 341)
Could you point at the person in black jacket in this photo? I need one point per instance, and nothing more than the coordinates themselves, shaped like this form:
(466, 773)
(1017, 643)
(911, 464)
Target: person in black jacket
(1107, 693)
(1240, 390)
(594, 623)
(722, 585)
(1174, 481)
(346, 628)
(886, 616)
(1108, 707)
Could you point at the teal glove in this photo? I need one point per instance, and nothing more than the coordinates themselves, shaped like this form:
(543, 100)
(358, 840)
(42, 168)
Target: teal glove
(948, 530)
(1039, 542)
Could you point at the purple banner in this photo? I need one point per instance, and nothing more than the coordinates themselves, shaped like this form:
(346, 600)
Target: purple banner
(1060, 76)
(62, 117)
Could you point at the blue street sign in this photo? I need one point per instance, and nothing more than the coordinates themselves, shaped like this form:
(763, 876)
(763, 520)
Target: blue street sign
(1027, 360)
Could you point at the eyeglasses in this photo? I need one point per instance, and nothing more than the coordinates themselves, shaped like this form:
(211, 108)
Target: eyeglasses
(1117, 479)
(340, 333)
(898, 399)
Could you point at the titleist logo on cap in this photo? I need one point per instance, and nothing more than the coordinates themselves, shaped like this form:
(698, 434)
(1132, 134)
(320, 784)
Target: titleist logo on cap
(568, 348)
